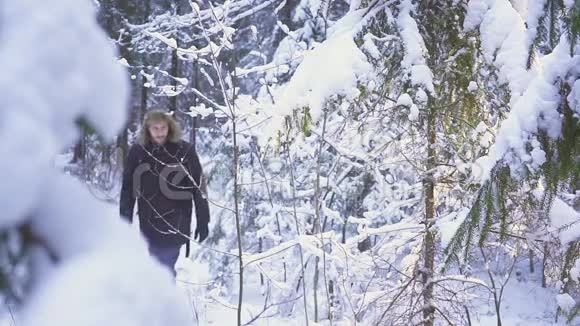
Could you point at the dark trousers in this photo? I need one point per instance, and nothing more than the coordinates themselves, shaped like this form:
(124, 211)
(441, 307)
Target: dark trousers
(166, 255)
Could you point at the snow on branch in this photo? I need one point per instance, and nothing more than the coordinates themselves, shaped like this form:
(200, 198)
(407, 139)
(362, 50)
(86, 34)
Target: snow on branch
(506, 38)
(338, 60)
(460, 278)
(414, 60)
(535, 109)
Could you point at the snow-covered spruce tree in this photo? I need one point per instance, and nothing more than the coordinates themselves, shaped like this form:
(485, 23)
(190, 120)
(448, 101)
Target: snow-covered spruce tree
(429, 83)
(526, 193)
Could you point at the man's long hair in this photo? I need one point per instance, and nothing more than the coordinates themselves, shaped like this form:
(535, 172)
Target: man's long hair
(174, 133)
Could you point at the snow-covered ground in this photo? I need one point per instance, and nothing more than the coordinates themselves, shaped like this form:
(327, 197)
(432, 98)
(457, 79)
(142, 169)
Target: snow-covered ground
(524, 301)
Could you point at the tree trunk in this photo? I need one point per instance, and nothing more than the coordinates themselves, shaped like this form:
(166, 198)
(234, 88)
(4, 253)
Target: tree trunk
(144, 90)
(195, 81)
(174, 73)
(429, 247)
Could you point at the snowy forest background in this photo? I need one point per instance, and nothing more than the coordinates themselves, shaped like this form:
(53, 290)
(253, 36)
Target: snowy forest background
(369, 162)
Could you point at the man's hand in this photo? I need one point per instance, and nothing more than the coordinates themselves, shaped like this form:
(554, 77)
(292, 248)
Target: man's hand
(201, 232)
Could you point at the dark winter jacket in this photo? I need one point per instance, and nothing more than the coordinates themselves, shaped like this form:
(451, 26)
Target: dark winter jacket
(164, 179)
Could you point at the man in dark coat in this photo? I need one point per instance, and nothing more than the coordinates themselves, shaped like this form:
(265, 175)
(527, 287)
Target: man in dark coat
(163, 174)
